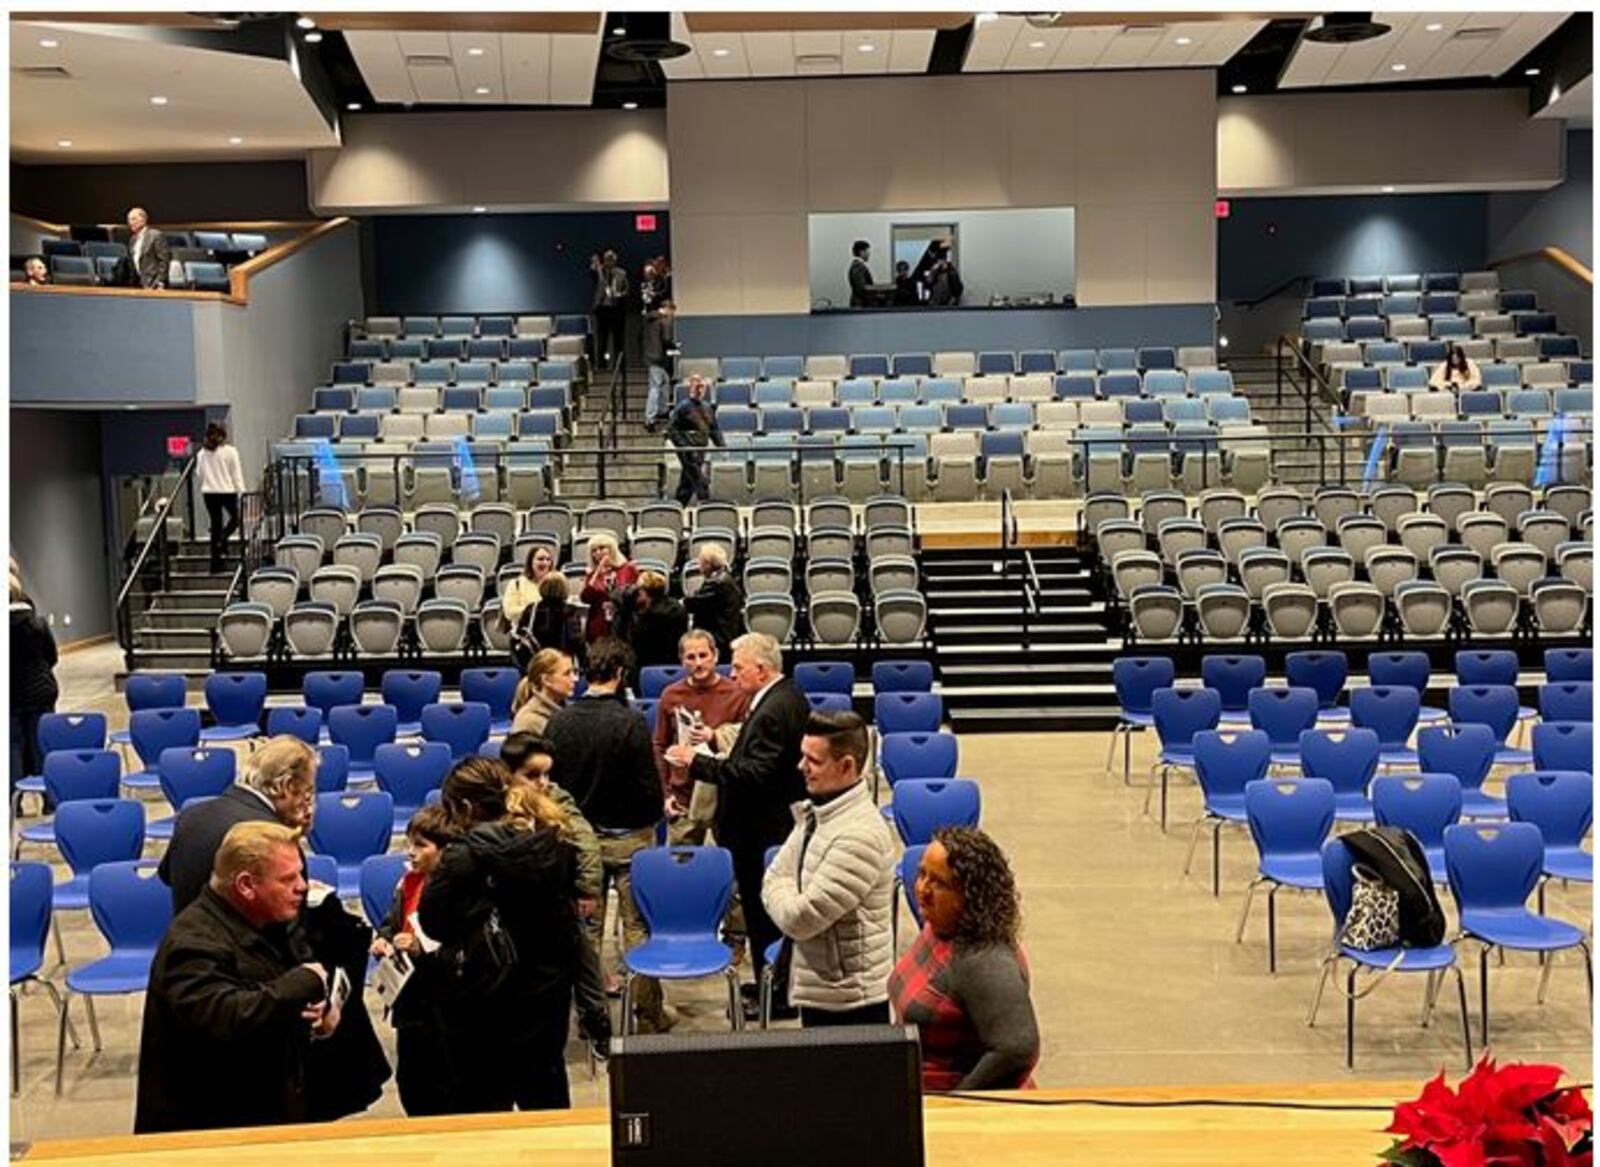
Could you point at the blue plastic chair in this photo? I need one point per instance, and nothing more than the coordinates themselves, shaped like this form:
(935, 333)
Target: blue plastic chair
(1324, 670)
(1491, 667)
(408, 690)
(380, 875)
(327, 690)
(151, 691)
(1283, 714)
(826, 676)
(1569, 664)
(1179, 714)
(69, 776)
(1493, 870)
(495, 688)
(1347, 759)
(462, 725)
(362, 729)
(1390, 711)
(830, 702)
(1496, 707)
(1564, 745)
(908, 712)
(919, 755)
(1136, 678)
(1338, 884)
(301, 721)
(132, 908)
(30, 924)
(1289, 821)
(899, 676)
(1571, 701)
(235, 701)
(60, 731)
(406, 771)
(1424, 804)
(905, 878)
(1223, 765)
(89, 833)
(1561, 804)
(653, 679)
(644, 707)
(1467, 751)
(1233, 677)
(333, 768)
(154, 730)
(349, 827)
(191, 775)
(323, 869)
(923, 805)
(1410, 669)
(683, 894)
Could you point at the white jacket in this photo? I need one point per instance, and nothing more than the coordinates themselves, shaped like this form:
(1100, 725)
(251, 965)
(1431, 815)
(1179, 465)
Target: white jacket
(836, 910)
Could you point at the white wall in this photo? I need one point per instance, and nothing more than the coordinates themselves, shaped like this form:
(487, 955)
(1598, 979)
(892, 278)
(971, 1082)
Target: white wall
(1016, 252)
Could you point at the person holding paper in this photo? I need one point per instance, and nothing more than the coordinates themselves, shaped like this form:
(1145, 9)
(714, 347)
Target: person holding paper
(691, 711)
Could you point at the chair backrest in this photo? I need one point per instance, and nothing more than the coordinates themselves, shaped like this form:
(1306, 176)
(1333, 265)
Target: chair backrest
(1559, 802)
(922, 806)
(463, 725)
(1491, 705)
(1323, 670)
(71, 731)
(236, 699)
(155, 691)
(380, 875)
(350, 826)
(408, 690)
(1179, 714)
(31, 894)
(324, 690)
(1467, 751)
(301, 721)
(1567, 701)
(1424, 804)
(919, 755)
(1493, 866)
(154, 730)
(1410, 669)
(363, 728)
(1224, 764)
(826, 677)
(1283, 713)
(653, 679)
(76, 774)
(130, 905)
(99, 830)
(1348, 760)
(1338, 880)
(910, 864)
(908, 712)
(1564, 745)
(186, 773)
(1233, 677)
(1564, 664)
(682, 891)
(495, 688)
(1479, 667)
(896, 676)
(1389, 710)
(1289, 817)
(407, 771)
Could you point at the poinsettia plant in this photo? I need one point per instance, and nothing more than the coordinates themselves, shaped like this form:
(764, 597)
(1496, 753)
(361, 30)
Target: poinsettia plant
(1513, 1115)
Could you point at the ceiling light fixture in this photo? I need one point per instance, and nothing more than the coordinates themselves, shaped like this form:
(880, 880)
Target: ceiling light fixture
(1184, 40)
(482, 91)
(158, 100)
(986, 17)
(1533, 72)
(49, 44)
(630, 105)
(306, 22)
(353, 106)
(720, 52)
(64, 143)
(313, 38)
(475, 51)
(1433, 27)
(1397, 67)
(619, 31)
(479, 210)
(1241, 89)
(1036, 44)
(1388, 190)
(866, 48)
(236, 141)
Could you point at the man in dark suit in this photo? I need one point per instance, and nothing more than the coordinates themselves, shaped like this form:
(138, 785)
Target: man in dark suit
(862, 292)
(148, 251)
(758, 781)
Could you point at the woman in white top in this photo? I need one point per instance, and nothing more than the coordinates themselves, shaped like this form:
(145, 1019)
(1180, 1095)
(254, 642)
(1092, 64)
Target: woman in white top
(221, 483)
(1457, 372)
(522, 596)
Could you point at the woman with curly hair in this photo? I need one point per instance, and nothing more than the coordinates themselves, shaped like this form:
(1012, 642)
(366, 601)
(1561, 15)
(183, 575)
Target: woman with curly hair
(964, 982)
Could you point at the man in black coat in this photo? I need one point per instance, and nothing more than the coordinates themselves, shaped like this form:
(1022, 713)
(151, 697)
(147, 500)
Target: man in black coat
(234, 1003)
(759, 779)
(691, 427)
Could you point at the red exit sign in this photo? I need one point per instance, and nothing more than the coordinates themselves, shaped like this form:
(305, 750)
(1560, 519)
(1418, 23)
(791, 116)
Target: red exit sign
(178, 446)
(644, 223)
(1224, 209)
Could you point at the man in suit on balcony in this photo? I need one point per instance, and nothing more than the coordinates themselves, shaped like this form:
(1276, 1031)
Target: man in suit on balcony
(148, 250)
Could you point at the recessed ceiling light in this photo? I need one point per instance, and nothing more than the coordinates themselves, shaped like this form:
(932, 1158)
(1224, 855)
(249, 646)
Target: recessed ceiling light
(619, 31)
(720, 52)
(313, 38)
(1184, 40)
(158, 100)
(64, 143)
(630, 105)
(49, 44)
(479, 210)
(986, 17)
(475, 51)
(1435, 27)
(1241, 89)
(353, 106)
(1534, 72)
(1036, 44)
(482, 91)
(236, 141)
(1397, 67)
(866, 48)
(1388, 190)
(306, 22)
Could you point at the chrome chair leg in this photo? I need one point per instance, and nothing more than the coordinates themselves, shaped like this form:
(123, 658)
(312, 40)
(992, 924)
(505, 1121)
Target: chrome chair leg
(1328, 964)
(61, 948)
(1350, 1017)
(1216, 859)
(16, 1046)
(60, 1007)
(627, 1001)
(1111, 749)
(1272, 929)
(1194, 841)
(764, 995)
(1483, 993)
(1244, 915)
(1544, 975)
(61, 1042)
(94, 1023)
(735, 1007)
(1466, 1025)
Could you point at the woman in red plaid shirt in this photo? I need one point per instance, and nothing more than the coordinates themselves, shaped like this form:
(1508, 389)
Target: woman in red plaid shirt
(964, 982)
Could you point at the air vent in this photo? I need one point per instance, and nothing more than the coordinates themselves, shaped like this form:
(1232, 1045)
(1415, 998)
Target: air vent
(1478, 35)
(818, 63)
(43, 73)
(429, 61)
(1144, 30)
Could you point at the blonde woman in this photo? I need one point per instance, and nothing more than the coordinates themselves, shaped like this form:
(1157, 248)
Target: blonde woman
(610, 574)
(551, 678)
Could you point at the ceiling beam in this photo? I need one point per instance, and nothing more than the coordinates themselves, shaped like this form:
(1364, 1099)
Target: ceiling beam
(554, 22)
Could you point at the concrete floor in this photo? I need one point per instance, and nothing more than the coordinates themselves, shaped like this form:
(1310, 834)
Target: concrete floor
(1137, 979)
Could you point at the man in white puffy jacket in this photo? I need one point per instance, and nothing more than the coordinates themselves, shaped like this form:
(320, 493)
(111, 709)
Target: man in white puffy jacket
(829, 890)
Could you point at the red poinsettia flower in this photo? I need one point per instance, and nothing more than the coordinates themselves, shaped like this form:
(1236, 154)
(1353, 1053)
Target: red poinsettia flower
(1569, 1113)
(1556, 1147)
(1439, 1119)
(1511, 1116)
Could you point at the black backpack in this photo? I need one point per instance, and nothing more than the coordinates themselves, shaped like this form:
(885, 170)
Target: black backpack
(1399, 860)
(481, 966)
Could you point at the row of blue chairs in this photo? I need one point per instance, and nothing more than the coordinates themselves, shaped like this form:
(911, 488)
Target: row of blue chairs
(450, 348)
(445, 372)
(1332, 329)
(468, 326)
(1430, 303)
(877, 366)
(336, 399)
(1366, 285)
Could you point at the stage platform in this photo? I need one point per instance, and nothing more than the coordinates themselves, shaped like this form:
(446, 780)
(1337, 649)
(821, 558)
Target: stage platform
(1338, 1123)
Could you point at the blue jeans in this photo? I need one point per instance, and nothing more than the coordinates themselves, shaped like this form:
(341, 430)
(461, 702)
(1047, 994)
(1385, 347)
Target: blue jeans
(654, 403)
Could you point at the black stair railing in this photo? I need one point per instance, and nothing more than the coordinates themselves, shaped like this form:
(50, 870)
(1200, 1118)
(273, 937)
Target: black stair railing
(156, 544)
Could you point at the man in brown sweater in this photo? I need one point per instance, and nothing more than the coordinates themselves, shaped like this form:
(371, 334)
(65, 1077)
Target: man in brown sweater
(717, 700)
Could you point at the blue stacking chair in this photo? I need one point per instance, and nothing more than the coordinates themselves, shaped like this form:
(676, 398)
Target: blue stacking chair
(349, 827)
(333, 768)
(683, 894)
(462, 725)
(30, 924)
(1347, 760)
(189, 774)
(1338, 884)
(151, 691)
(1390, 711)
(1467, 751)
(1233, 677)
(236, 701)
(1224, 765)
(1289, 821)
(1410, 669)
(89, 833)
(407, 772)
(154, 730)
(1179, 714)
(132, 908)
(326, 690)
(1496, 707)
(830, 702)
(1493, 869)
(1324, 670)
(905, 877)
(380, 875)
(923, 805)
(1283, 714)
(902, 676)
(322, 869)
(61, 731)
(362, 729)
(301, 721)
(1424, 804)
(1136, 678)
(1492, 667)
(645, 707)
(826, 676)
(408, 690)
(495, 688)
(915, 755)
(654, 679)
(1569, 701)
(72, 776)
(1561, 804)
(1569, 664)
(908, 712)
(1564, 745)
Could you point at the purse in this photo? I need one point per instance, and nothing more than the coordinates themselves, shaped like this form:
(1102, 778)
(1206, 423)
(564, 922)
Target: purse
(1374, 918)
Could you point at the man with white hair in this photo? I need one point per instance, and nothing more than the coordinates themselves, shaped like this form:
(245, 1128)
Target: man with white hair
(757, 781)
(718, 607)
(148, 251)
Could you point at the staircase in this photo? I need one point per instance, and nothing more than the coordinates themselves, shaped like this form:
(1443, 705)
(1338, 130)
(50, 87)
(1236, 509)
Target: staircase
(1303, 464)
(171, 627)
(634, 477)
(1003, 673)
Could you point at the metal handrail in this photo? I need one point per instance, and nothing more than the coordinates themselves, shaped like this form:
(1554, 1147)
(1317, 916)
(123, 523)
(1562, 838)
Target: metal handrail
(1277, 291)
(158, 540)
(1313, 377)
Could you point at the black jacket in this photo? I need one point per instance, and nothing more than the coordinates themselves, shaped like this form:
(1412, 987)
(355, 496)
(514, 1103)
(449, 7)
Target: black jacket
(154, 261)
(657, 340)
(760, 778)
(186, 865)
(223, 1042)
(33, 657)
(604, 759)
(694, 423)
(655, 631)
(718, 608)
(861, 293)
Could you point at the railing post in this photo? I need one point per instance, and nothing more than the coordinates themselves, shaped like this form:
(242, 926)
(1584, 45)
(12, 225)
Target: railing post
(1277, 363)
